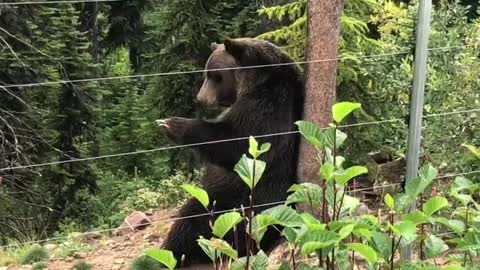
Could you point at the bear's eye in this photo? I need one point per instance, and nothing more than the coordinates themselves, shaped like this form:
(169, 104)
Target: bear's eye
(217, 78)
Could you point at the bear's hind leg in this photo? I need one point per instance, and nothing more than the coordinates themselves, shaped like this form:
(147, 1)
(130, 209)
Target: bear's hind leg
(184, 233)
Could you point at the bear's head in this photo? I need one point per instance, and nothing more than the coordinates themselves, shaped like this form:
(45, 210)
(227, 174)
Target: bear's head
(228, 66)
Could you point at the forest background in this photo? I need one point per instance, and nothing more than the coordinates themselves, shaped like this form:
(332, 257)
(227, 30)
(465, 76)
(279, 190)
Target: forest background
(51, 122)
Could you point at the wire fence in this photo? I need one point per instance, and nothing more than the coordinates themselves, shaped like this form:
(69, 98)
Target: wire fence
(206, 214)
(18, 3)
(219, 141)
(171, 73)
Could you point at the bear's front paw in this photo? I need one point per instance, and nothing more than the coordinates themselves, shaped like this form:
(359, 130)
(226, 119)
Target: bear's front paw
(175, 128)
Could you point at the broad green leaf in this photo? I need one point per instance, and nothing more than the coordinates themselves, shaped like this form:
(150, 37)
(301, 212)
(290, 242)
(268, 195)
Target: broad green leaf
(312, 222)
(456, 225)
(416, 186)
(260, 261)
(462, 183)
(428, 172)
(470, 248)
(455, 258)
(434, 204)
(198, 193)
(383, 244)
(363, 232)
(472, 237)
(346, 231)
(239, 264)
(463, 198)
(339, 160)
(402, 201)
(303, 186)
(405, 229)
(453, 267)
(343, 109)
(435, 247)
(343, 177)
(417, 217)
(219, 245)
(330, 194)
(257, 262)
(207, 249)
(163, 256)
(332, 134)
(311, 247)
(225, 223)
(305, 193)
(327, 171)
(245, 169)
(350, 204)
(371, 219)
(279, 215)
(265, 147)
(260, 225)
(311, 133)
(389, 201)
(365, 251)
(283, 266)
(290, 234)
(284, 215)
(336, 225)
(254, 150)
(253, 146)
(315, 240)
(474, 150)
(304, 266)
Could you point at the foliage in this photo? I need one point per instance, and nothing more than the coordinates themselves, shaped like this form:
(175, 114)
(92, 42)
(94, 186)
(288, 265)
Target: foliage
(387, 28)
(71, 246)
(7, 259)
(82, 265)
(60, 122)
(338, 233)
(40, 266)
(145, 263)
(163, 256)
(33, 254)
(64, 121)
(120, 194)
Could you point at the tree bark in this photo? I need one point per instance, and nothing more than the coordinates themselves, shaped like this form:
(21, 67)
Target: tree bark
(323, 37)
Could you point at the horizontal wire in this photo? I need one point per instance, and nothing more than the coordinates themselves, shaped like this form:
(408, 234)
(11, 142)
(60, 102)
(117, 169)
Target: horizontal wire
(209, 214)
(315, 259)
(215, 142)
(457, 174)
(54, 2)
(219, 69)
(180, 218)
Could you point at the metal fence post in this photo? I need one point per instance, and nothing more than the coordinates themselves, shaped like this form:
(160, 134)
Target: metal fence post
(417, 101)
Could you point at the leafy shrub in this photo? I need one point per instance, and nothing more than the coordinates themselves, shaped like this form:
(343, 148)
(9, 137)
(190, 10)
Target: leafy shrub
(143, 199)
(82, 265)
(118, 195)
(166, 194)
(6, 259)
(171, 193)
(145, 263)
(40, 266)
(72, 246)
(33, 254)
(339, 234)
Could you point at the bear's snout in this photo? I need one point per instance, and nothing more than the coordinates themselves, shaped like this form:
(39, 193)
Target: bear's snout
(206, 97)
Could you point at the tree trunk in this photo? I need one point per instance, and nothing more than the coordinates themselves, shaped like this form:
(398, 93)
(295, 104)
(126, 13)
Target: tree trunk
(323, 38)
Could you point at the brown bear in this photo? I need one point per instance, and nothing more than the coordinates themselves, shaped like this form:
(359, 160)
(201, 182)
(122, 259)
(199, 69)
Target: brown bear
(263, 99)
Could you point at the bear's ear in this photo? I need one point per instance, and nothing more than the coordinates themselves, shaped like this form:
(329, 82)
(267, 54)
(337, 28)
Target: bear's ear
(235, 48)
(213, 46)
